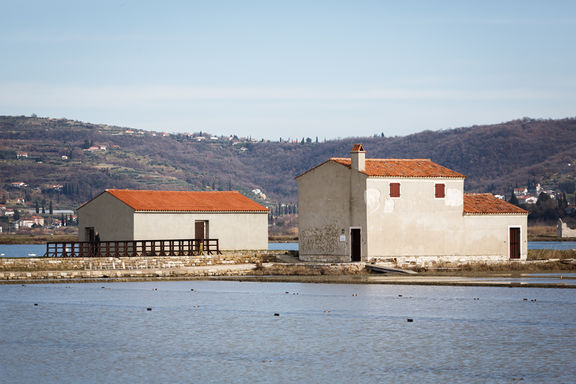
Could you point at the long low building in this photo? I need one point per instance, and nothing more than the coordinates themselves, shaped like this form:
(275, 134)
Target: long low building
(236, 221)
(404, 210)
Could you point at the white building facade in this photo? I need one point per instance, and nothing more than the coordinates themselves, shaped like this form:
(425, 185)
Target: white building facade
(402, 210)
(238, 222)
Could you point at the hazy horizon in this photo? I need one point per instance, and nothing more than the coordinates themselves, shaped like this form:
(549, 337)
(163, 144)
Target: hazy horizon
(298, 69)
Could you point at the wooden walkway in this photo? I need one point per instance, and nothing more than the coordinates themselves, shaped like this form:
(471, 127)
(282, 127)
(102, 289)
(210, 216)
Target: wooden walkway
(133, 248)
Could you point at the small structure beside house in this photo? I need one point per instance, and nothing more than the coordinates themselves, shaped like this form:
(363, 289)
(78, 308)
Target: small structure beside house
(236, 221)
(402, 210)
(564, 231)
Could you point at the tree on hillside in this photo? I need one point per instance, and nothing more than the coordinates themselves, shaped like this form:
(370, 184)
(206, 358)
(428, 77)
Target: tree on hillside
(545, 208)
(514, 199)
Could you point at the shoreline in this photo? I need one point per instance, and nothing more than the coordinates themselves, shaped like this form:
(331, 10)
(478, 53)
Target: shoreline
(451, 281)
(535, 274)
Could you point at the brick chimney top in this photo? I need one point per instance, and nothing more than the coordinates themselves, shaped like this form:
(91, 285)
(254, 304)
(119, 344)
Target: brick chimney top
(358, 157)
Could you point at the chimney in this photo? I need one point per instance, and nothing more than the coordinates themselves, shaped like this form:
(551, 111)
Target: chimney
(358, 155)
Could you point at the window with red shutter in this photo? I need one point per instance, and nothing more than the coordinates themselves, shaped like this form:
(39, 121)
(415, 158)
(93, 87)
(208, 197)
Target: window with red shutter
(440, 190)
(394, 189)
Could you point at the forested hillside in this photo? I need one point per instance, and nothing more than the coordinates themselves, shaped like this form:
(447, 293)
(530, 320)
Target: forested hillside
(70, 161)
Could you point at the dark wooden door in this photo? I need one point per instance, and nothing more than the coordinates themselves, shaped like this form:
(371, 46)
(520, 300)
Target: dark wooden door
(514, 243)
(199, 230)
(356, 244)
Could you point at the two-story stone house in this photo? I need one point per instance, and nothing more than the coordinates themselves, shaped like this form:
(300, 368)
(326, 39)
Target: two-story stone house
(403, 210)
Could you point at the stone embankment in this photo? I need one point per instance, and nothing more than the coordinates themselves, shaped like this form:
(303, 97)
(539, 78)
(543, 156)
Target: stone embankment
(239, 263)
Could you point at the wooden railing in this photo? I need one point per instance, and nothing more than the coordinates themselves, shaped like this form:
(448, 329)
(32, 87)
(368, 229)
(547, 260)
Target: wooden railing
(133, 248)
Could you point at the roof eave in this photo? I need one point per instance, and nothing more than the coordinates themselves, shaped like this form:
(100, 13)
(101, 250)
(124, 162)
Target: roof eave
(496, 213)
(200, 211)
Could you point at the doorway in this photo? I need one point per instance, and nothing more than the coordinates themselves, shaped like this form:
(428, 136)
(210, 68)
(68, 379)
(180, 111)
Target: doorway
(514, 241)
(89, 234)
(200, 230)
(355, 244)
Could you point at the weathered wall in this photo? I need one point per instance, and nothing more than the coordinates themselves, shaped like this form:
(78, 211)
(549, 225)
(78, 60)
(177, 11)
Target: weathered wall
(358, 212)
(416, 223)
(107, 263)
(488, 235)
(109, 216)
(235, 231)
(324, 213)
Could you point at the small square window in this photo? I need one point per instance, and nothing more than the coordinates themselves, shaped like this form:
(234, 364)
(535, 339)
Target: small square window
(394, 189)
(440, 191)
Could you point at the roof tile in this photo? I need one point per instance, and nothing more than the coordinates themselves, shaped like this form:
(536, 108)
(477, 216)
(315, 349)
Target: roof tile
(403, 168)
(486, 203)
(226, 201)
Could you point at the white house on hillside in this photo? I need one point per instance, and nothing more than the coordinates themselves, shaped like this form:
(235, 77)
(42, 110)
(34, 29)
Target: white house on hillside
(403, 210)
(235, 220)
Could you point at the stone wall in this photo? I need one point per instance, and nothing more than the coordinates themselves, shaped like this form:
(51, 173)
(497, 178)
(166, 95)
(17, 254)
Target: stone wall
(169, 267)
(134, 263)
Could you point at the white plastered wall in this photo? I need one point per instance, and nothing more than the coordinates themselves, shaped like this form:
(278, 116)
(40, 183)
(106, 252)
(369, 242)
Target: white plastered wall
(416, 223)
(235, 231)
(488, 235)
(419, 225)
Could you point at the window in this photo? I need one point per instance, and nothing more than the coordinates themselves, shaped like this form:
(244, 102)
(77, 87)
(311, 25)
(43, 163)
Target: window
(440, 190)
(394, 189)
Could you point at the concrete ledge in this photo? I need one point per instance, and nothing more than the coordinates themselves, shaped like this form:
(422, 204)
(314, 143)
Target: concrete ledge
(430, 261)
(135, 263)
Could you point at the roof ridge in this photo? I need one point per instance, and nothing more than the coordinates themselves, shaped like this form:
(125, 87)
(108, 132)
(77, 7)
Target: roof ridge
(165, 190)
(162, 200)
(391, 159)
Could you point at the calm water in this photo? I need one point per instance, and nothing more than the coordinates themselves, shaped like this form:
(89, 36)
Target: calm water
(22, 250)
(562, 245)
(226, 332)
(31, 250)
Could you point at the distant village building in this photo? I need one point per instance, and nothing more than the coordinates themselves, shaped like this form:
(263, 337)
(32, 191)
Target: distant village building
(523, 191)
(235, 220)
(18, 184)
(403, 210)
(34, 221)
(94, 148)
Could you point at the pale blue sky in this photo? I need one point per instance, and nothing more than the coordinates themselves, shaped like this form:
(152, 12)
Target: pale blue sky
(271, 69)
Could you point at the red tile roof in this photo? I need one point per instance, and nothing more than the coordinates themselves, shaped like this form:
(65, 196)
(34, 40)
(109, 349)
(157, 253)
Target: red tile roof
(229, 201)
(403, 168)
(486, 203)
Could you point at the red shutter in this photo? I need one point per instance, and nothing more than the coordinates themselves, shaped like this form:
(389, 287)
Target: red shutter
(440, 190)
(394, 189)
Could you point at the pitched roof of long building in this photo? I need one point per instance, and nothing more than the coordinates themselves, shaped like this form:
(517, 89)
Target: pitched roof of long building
(486, 203)
(182, 201)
